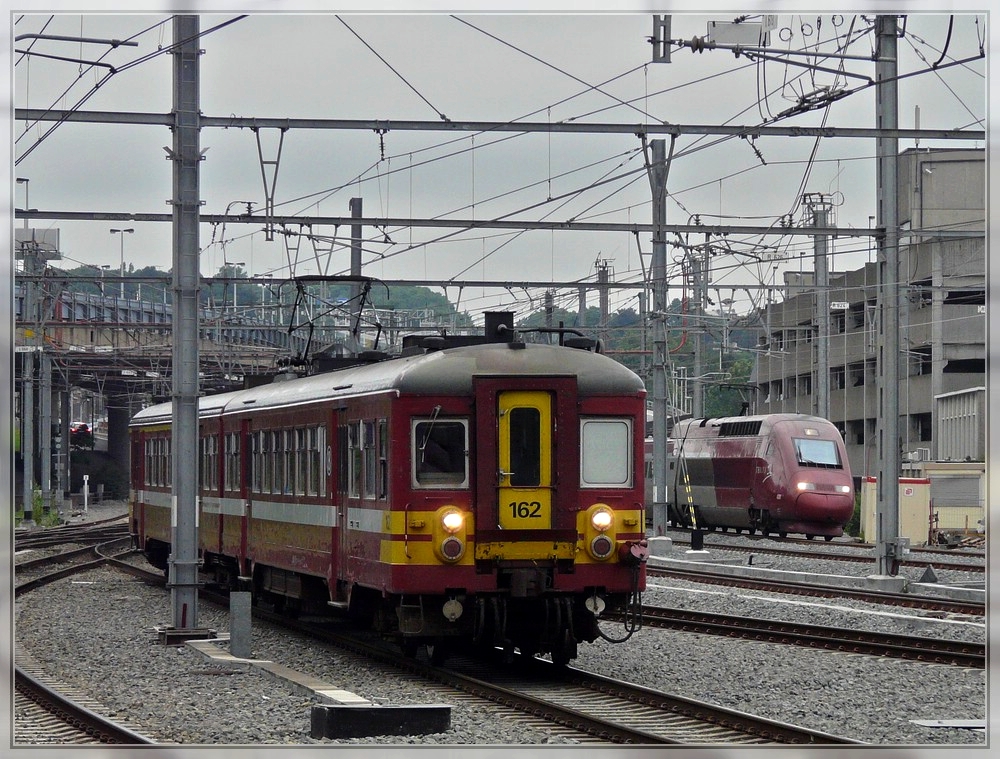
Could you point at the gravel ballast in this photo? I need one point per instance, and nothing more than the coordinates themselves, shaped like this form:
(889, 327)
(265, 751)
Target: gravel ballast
(98, 631)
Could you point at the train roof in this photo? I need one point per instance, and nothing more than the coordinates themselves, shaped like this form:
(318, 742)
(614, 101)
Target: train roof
(445, 372)
(741, 425)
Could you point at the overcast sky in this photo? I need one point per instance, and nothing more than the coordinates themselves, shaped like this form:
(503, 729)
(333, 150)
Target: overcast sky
(466, 66)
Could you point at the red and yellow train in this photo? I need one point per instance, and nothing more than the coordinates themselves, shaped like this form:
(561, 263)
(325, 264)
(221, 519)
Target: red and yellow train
(485, 491)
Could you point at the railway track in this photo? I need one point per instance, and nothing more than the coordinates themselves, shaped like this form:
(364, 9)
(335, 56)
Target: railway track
(914, 648)
(623, 712)
(817, 590)
(573, 701)
(47, 712)
(85, 533)
(51, 567)
(826, 555)
(569, 699)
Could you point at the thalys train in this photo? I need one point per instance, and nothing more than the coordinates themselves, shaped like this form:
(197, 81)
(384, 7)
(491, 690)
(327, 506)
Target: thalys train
(775, 473)
(474, 490)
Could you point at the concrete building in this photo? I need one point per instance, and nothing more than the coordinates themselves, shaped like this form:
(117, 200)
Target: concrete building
(942, 323)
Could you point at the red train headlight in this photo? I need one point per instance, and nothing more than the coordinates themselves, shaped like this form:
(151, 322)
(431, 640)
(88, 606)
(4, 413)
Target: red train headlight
(452, 548)
(601, 546)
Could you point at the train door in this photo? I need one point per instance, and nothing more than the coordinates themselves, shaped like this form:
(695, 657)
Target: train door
(524, 453)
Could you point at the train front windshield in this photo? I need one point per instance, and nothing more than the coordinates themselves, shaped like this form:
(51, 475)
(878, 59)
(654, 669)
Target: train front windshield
(812, 452)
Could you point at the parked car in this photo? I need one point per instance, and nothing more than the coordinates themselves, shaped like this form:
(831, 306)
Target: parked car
(80, 435)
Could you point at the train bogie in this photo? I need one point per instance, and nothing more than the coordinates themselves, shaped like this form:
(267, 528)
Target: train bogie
(478, 494)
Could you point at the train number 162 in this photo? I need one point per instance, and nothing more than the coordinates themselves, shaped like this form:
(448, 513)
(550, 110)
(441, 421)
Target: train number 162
(525, 509)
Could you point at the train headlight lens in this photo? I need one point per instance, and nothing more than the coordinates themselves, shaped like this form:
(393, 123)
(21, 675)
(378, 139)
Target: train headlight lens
(807, 486)
(452, 548)
(843, 488)
(601, 520)
(452, 521)
(601, 547)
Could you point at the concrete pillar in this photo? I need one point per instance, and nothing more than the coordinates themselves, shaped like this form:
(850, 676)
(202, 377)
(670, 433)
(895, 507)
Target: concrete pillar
(119, 413)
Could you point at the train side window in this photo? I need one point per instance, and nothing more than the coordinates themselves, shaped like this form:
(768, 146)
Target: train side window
(606, 453)
(209, 469)
(255, 467)
(369, 458)
(232, 461)
(313, 460)
(288, 469)
(342, 467)
(267, 456)
(383, 459)
(440, 453)
(354, 460)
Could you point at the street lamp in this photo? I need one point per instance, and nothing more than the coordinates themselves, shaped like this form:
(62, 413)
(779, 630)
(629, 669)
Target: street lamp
(231, 269)
(122, 232)
(101, 269)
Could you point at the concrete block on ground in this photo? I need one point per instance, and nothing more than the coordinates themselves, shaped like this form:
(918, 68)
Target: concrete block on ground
(364, 721)
(660, 545)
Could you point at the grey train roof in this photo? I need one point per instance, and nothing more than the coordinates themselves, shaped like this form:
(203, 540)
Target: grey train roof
(446, 372)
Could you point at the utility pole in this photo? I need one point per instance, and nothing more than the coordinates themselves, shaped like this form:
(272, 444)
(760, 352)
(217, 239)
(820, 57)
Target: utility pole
(699, 270)
(186, 157)
(35, 247)
(820, 209)
(658, 274)
(889, 546)
(29, 255)
(355, 206)
(603, 296)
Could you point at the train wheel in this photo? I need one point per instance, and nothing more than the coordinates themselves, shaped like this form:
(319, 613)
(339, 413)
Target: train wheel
(409, 647)
(437, 653)
(782, 534)
(828, 538)
(808, 536)
(565, 650)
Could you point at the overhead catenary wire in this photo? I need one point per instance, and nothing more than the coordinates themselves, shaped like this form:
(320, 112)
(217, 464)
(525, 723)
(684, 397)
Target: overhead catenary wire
(593, 210)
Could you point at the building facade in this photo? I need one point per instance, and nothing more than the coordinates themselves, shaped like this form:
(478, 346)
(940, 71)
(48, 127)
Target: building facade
(942, 321)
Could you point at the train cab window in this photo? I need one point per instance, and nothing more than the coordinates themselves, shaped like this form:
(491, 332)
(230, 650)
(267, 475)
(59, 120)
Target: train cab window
(525, 447)
(606, 453)
(813, 452)
(439, 453)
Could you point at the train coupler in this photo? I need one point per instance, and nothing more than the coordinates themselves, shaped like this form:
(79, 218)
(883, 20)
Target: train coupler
(633, 552)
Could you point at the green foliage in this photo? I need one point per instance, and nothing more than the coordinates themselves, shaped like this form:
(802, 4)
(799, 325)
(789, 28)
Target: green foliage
(727, 399)
(853, 527)
(39, 515)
